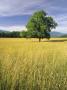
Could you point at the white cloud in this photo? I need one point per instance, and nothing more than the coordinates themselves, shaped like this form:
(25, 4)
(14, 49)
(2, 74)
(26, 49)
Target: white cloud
(61, 29)
(62, 23)
(13, 28)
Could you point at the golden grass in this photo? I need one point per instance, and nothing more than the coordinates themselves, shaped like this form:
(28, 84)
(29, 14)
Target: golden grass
(26, 64)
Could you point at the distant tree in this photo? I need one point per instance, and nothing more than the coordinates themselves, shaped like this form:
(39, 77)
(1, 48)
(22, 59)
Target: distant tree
(7, 34)
(15, 34)
(23, 34)
(40, 25)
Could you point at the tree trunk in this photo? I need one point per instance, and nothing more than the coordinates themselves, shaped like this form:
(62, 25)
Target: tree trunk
(39, 39)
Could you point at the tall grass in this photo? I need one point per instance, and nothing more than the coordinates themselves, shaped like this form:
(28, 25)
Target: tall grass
(30, 65)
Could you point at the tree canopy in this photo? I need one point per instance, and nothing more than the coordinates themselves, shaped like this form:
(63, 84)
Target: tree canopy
(40, 25)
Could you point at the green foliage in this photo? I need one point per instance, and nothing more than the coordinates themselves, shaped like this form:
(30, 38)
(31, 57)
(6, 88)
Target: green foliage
(40, 25)
(14, 34)
(23, 34)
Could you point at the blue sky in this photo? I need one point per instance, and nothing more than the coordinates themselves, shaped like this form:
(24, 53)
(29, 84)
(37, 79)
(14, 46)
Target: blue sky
(14, 14)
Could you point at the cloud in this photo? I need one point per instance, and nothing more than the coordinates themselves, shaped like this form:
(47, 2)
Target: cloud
(20, 7)
(55, 8)
(13, 28)
(16, 7)
(61, 29)
(62, 23)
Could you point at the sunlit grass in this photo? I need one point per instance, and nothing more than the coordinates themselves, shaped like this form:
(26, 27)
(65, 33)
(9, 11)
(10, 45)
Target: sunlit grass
(26, 64)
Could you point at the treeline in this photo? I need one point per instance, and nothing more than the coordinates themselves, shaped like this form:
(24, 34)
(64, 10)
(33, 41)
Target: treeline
(20, 34)
(17, 34)
(6, 34)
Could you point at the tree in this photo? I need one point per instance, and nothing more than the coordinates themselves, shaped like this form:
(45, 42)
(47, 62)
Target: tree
(40, 25)
(23, 34)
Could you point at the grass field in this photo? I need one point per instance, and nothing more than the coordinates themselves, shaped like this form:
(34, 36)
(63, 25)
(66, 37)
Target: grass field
(32, 65)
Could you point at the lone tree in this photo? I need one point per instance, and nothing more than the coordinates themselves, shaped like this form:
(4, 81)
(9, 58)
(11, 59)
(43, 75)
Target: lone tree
(40, 25)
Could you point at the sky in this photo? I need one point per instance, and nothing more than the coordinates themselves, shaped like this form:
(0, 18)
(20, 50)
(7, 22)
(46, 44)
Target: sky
(14, 14)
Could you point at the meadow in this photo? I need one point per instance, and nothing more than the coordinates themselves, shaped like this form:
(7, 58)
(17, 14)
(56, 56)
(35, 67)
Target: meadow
(26, 64)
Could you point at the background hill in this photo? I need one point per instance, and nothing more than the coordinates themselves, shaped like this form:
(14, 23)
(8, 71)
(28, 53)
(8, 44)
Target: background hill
(4, 31)
(64, 36)
(56, 34)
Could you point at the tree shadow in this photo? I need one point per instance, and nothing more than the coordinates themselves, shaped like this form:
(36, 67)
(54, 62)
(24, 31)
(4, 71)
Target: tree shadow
(51, 40)
(62, 40)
